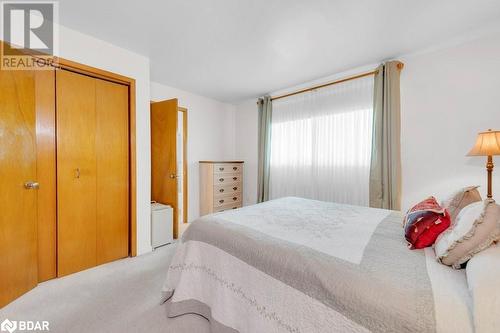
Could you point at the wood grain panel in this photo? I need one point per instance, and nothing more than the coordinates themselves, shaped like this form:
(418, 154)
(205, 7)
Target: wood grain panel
(185, 190)
(62, 63)
(206, 188)
(133, 171)
(112, 148)
(164, 155)
(113, 77)
(46, 170)
(76, 172)
(18, 206)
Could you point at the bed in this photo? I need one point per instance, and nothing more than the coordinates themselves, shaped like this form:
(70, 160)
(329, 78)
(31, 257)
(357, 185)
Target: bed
(297, 265)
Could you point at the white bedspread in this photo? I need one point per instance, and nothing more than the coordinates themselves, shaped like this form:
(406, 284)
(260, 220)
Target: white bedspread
(342, 231)
(296, 265)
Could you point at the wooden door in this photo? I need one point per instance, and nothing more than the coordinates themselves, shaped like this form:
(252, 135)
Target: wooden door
(18, 205)
(46, 173)
(184, 165)
(76, 172)
(164, 171)
(92, 172)
(112, 171)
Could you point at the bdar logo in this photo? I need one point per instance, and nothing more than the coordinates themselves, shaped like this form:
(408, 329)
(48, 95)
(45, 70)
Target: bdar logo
(24, 325)
(8, 326)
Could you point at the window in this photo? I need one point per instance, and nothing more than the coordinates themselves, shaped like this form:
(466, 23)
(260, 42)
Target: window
(321, 143)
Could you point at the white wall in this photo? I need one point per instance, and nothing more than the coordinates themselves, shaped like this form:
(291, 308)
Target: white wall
(210, 134)
(90, 51)
(246, 125)
(447, 95)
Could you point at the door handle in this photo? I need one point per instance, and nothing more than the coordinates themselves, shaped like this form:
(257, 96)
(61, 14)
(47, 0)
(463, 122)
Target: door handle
(77, 173)
(173, 176)
(31, 185)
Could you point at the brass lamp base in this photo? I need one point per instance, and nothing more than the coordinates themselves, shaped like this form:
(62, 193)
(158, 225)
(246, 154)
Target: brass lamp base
(489, 169)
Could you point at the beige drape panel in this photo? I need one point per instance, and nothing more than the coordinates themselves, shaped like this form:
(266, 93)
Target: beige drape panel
(385, 170)
(265, 115)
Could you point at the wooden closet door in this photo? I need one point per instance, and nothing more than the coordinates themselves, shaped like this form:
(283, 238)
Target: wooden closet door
(76, 171)
(18, 205)
(164, 175)
(112, 146)
(46, 173)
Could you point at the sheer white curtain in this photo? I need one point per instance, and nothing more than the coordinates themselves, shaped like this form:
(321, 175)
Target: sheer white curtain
(321, 143)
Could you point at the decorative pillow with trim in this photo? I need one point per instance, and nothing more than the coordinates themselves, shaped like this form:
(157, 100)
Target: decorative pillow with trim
(424, 222)
(476, 228)
(460, 199)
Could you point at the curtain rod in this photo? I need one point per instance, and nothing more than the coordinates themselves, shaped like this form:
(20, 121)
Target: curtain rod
(358, 76)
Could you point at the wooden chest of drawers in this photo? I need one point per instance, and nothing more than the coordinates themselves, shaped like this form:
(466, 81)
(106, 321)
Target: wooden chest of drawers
(220, 186)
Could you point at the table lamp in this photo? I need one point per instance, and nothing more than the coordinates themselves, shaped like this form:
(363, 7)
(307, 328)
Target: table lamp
(487, 144)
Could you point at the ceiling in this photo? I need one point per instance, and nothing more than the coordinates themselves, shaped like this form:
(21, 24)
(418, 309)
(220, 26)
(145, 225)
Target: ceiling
(232, 50)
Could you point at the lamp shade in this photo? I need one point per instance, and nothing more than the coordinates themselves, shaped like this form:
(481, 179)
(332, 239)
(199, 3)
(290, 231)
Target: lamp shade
(487, 143)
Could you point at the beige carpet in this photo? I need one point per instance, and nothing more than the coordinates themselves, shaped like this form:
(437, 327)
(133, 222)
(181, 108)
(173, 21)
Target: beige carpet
(122, 296)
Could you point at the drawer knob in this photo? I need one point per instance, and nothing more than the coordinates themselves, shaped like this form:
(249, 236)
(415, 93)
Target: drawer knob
(221, 190)
(235, 168)
(221, 179)
(221, 169)
(234, 178)
(221, 201)
(235, 188)
(235, 198)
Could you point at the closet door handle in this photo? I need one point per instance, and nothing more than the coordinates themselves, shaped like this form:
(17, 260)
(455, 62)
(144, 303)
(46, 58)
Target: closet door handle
(31, 185)
(77, 173)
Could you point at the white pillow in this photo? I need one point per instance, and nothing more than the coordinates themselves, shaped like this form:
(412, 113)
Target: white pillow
(475, 229)
(483, 279)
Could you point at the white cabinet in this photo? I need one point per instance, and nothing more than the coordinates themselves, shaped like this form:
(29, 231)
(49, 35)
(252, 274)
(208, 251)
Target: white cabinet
(161, 225)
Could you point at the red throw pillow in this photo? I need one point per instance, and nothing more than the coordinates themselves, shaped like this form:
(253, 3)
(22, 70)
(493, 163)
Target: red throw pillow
(424, 222)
